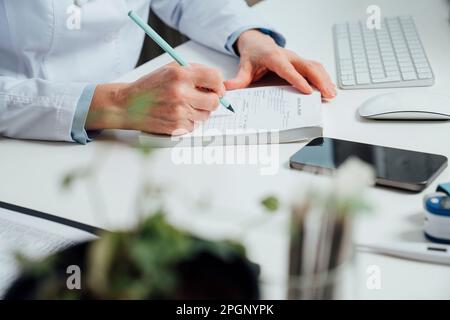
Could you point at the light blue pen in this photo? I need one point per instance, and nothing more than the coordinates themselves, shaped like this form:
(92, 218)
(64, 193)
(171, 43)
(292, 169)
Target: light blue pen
(167, 48)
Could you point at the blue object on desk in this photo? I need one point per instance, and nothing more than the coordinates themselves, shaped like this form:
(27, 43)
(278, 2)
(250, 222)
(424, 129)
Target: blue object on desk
(437, 215)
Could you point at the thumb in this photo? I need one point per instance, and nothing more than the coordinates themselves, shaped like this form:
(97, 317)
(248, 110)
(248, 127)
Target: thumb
(243, 78)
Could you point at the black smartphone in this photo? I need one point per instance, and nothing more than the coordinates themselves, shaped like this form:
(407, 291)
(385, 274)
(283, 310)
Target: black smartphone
(397, 168)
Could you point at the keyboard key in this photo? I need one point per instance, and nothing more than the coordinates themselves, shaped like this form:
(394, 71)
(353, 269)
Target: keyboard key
(376, 70)
(386, 79)
(423, 69)
(395, 74)
(377, 75)
(347, 72)
(407, 69)
(391, 64)
(409, 76)
(425, 75)
(393, 78)
(422, 66)
(348, 82)
(362, 78)
(361, 70)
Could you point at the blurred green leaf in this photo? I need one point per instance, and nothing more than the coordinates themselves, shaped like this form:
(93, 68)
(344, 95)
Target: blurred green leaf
(101, 257)
(72, 176)
(271, 203)
(145, 149)
(67, 181)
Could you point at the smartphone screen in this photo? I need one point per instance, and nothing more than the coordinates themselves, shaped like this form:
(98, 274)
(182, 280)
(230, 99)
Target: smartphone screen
(409, 170)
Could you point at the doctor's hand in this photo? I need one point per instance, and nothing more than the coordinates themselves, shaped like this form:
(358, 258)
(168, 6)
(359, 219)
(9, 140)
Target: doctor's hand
(170, 100)
(259, 54)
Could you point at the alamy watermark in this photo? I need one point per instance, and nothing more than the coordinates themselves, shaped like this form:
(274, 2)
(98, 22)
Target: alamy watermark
(73, 281)
(373, 21)
(373, 281)
(229, 147)
(73, 21)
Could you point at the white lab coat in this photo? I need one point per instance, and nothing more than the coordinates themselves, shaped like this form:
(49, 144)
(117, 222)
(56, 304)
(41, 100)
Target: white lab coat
(48, 56)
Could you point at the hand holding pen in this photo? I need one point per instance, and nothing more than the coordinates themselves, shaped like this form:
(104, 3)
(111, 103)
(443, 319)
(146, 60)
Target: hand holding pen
(170, 100)
(167, 48)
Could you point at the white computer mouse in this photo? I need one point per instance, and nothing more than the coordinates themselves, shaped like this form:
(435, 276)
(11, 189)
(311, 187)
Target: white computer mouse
(406, 106)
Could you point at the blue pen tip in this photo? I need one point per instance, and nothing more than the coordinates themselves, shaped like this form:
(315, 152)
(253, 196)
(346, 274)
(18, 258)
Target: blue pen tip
(230, 108)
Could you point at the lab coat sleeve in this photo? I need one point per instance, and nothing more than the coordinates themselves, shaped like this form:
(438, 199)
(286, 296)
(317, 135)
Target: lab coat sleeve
(38, 109)
(78, 131)
(213, 23)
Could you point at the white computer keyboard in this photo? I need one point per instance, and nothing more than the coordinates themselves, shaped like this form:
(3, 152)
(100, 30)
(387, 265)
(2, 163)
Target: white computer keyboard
(389, 57)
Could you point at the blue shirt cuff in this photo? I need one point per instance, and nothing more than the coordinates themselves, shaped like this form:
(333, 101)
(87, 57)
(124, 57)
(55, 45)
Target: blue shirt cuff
(277, 37)
(78, 131)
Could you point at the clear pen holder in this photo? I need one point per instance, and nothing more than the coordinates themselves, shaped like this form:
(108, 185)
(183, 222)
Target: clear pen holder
(329, 285)
(320, 252)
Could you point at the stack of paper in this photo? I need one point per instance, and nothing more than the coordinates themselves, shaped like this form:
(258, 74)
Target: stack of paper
(262, 115)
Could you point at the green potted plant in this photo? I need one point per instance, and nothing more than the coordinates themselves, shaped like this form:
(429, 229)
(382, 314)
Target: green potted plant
(152, 261)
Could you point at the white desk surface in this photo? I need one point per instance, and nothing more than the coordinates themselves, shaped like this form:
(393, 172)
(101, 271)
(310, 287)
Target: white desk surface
(31, 171)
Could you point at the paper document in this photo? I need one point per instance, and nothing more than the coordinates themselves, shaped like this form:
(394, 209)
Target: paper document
(33, 237)
(265, 109)
(271, 108)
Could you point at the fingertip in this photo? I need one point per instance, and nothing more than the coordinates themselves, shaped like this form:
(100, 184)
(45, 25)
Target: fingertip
(233, 85)
(302, 85)
(228, 85)
(335, 92)
(327, 96)
(330, 92)
(306, 89)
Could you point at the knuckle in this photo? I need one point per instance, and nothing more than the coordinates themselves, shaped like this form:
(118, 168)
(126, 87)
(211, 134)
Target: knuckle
(285, 70)
(199, 69)
(312, 65)
(213, 76)
(176, 73)
(177, 93)
(317, 65)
